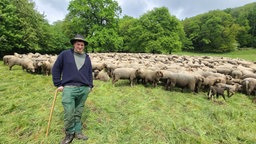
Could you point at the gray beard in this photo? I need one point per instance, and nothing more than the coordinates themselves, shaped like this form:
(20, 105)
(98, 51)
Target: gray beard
(78, 52)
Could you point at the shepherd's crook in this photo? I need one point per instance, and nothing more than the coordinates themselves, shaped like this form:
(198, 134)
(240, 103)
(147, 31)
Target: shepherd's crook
(50, 118)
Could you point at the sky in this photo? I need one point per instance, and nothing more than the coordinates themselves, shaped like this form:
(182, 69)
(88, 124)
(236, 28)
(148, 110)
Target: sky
(57, 9)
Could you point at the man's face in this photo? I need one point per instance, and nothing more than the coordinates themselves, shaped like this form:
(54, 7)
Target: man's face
(79, 47)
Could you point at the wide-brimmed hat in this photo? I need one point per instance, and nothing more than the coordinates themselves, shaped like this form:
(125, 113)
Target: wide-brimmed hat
(78, 37)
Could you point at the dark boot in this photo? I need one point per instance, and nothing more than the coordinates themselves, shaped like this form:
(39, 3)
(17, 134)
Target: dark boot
(68, 139)
(80, 136)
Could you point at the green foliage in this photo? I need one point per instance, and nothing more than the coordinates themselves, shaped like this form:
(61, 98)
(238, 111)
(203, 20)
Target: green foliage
(9, 34)
(105, 40)
(245, 16)
(23, 29)
(154, 32)
(214, 31)
(59, 40)
(161, 32)
(129, 29)
(97, 21)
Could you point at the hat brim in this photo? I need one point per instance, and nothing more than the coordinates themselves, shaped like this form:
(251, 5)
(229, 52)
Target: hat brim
(72, 41)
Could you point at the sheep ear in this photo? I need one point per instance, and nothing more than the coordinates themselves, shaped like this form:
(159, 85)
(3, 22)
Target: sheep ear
(161, 73)
(157, 73)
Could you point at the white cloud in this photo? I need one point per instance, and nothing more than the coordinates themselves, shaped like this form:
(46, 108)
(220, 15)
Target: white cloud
(53, 9)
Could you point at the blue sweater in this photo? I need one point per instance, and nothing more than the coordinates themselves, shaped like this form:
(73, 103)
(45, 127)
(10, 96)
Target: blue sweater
(65, 72)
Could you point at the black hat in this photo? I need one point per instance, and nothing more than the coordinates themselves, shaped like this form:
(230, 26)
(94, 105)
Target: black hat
(78, 37)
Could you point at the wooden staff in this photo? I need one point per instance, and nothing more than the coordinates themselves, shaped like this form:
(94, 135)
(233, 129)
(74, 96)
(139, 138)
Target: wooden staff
(50, 117)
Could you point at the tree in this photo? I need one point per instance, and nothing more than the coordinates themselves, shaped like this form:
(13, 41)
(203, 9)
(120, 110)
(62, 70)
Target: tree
(105, 40)
(243, 36)
(58, 40)
(162, 33)
(245, 17)
(96, 20)
(214, 31)
(9, 34)
(29, 25)
(252, 23)
(23, 29)
(128, 31)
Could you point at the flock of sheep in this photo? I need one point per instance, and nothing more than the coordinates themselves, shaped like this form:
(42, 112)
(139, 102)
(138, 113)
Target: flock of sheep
(214, 75)
(31, 62)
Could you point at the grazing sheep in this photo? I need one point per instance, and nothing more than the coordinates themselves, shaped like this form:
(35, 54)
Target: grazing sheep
(150, 76)
(47, 67)
(124, 73)
(26, 63)
(6, 59)
(184, 80)
(216, 91)
(231, 89)
(249, 85)
(102, 75)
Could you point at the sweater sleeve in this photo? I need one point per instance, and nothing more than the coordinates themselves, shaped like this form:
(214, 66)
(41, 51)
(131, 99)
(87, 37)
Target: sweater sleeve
(57, 71)
(90, 73)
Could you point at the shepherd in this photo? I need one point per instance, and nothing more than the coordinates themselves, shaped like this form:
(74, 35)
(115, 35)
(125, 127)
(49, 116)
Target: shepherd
(72, 75)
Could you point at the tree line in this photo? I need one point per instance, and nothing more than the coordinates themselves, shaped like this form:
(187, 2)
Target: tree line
(23, 29)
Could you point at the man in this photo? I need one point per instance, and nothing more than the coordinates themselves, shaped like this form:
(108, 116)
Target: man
(72, 74)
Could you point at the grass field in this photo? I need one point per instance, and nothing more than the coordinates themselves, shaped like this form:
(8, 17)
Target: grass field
(246, 54)
(124, 114)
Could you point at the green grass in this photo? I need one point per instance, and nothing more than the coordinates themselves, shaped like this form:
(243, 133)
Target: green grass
(122, 114)
(246, 54)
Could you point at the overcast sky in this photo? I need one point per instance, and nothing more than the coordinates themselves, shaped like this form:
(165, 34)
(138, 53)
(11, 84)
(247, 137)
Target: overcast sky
(57, 9)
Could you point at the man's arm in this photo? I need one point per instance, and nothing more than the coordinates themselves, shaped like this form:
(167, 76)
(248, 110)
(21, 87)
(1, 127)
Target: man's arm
(57, 71)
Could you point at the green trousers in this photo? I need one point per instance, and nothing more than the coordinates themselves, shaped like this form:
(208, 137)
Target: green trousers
(73, 100)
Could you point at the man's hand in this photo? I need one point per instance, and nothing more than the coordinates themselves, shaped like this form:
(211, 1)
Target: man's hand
(60, 89)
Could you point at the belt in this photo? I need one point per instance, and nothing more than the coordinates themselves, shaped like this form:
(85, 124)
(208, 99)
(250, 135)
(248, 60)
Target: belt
(71, 86)
(75, 85)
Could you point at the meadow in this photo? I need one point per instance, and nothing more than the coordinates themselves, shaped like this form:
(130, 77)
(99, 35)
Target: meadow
(244, 53)
(125, 115)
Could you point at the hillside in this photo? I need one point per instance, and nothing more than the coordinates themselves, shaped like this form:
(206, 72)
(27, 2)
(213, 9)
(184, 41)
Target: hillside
(124, 114)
